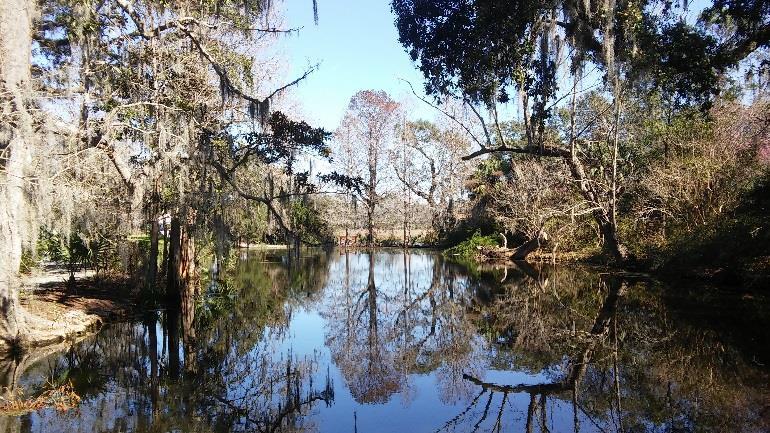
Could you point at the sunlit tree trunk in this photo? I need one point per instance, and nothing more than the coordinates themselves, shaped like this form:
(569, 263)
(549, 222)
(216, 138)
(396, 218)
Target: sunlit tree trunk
(164, 261)
(15, 154)
(370, 225)
(181, 264)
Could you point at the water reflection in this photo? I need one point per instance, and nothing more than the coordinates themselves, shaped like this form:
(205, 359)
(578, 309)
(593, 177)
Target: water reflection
(394, 341)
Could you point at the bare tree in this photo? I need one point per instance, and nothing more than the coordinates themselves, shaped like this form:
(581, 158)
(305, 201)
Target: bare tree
(369, 124)
(430, 166)
(532, 202)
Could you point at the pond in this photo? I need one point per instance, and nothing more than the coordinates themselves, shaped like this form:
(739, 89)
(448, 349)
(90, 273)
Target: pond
(410, 342)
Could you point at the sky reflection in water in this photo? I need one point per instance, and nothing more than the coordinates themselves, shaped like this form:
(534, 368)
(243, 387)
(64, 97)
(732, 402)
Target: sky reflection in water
(395, 342)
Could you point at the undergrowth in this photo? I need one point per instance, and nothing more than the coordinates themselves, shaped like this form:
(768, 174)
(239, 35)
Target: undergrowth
(468, 248)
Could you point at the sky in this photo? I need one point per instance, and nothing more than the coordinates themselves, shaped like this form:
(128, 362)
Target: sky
(356, 44)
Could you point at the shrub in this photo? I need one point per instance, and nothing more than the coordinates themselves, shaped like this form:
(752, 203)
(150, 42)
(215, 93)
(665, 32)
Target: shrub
(469, 247)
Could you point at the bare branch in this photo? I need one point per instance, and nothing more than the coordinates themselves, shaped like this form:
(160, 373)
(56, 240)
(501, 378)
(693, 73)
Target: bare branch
(444, 112)
(481, 121)
(222, 73)
(223, 173)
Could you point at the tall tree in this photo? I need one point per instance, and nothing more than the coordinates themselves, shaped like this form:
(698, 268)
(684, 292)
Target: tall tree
(431, 166)
(17, 138)
(142, 85)
(370, 124)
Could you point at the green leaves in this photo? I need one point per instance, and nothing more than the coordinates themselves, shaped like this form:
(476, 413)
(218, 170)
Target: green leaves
(478, 49)
(282, 142)
(463, 47)
(469, 248)
(308, 222)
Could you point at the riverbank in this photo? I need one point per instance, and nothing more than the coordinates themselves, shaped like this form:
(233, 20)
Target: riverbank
(745, 272)
(58, 311)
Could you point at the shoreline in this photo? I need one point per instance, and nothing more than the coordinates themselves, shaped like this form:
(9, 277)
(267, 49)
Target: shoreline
(58, 314)
(730, 275)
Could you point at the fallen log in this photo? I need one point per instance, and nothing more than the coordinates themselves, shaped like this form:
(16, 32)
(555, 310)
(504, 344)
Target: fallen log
(519, 253)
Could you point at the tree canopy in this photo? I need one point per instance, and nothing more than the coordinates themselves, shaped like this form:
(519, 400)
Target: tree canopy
(480, 49)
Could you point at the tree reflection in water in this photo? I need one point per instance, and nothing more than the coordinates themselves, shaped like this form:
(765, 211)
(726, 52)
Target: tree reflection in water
(383, 327)
(622, 371)
(173, 371)
(539, 392)
(342, 341)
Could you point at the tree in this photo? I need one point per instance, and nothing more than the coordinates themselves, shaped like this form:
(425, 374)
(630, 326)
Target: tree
(17, 139)
(347, 159)
(529, 198)
(482, 52)
(369, 127)
(429, 166)
(131, 94)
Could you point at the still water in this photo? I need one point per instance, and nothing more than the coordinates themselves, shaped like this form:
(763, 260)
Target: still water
(410, 342)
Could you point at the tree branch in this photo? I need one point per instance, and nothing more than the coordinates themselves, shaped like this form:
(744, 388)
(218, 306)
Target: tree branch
(223, 173)
(553, 152)
(222, 73)
(450, 116)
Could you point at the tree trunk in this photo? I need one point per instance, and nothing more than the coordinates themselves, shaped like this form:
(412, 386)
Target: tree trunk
(152, 260)
(370, 226)
(188, 331)
(524, 250)
(612, 245)
(519, 253)
(164, 260)
(181, 264)
(186, 268)
(607, 228)
(15, 45)
(172, 330)
(174, 257)
(18, 328)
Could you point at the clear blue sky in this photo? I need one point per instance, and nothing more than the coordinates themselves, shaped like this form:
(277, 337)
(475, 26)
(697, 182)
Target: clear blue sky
(356, 43)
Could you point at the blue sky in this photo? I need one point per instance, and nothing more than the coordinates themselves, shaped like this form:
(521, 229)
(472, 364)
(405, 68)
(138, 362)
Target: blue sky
(356, 42)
